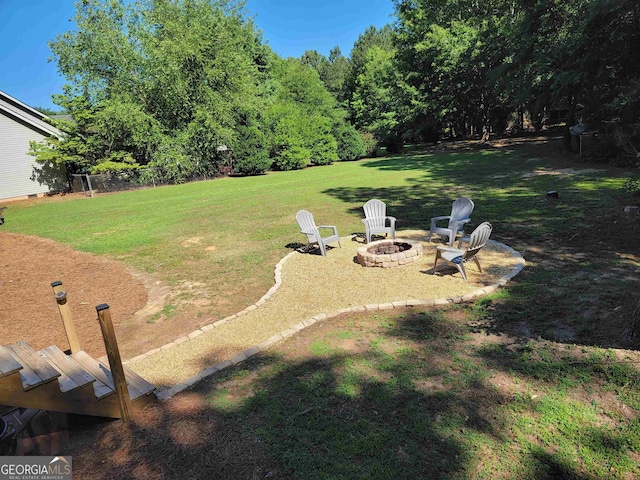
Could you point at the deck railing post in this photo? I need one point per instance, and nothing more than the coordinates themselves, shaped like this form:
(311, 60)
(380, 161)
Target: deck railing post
(65, 312)
(115, 362)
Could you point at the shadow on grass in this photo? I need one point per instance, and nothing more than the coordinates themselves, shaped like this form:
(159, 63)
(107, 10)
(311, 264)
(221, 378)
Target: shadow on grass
(581, 281)
(295, 423)
(367, 407)
(384, 396)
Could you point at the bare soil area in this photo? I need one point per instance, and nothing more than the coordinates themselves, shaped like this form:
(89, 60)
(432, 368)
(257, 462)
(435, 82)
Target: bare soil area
(28, 310)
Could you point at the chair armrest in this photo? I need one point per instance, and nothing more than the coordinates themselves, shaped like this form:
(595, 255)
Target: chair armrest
(437, 219)
(332, 227)
(460, 223)
(392, 220)
(462, 240)
(442, 248)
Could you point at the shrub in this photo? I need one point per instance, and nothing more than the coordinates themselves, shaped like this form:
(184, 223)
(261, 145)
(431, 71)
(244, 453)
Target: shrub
(170, 163)
(370, 144)
(293, 158)
(289, 150)
(251, 152)
(632, 187)
(393, 143)
(350, 144)
(324, 149)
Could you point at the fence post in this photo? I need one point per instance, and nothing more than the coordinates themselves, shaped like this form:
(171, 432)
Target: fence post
(89, 185)
(65, 312)
(115, 362)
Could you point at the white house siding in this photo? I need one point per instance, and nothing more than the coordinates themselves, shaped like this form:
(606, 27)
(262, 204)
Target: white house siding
(16, 165)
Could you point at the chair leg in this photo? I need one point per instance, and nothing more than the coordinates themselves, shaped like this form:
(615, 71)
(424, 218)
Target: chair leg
(475, 259)
(436, 262)
(322, 249)
(461, 269)
(452, 238)
(339, 244)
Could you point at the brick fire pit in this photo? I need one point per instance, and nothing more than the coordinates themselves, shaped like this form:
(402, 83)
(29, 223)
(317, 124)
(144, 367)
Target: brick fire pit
(389, 253)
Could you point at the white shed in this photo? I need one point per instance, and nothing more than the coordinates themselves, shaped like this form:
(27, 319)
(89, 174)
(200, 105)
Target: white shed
(20, 124)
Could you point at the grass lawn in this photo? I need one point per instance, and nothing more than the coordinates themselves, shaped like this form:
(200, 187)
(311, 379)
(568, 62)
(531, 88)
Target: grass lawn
(422, 394)
(537, 381)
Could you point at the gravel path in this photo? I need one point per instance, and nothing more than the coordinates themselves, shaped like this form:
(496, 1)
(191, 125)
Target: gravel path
(310, 288)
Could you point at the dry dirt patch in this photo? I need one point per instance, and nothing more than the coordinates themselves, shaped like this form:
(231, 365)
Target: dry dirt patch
(28, 310)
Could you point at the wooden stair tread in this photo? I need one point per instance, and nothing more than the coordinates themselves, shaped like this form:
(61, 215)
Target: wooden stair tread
(103, 386)
(35, 370)
(138, 386)
(72, 375)
(8, 364)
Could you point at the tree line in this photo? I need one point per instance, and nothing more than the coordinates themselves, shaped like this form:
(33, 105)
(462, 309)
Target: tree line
(179, 85)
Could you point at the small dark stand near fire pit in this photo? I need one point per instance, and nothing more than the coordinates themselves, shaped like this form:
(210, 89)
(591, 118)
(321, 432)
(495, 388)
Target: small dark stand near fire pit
(389, 253)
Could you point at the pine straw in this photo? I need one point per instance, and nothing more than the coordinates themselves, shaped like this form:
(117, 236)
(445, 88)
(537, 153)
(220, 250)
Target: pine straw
(312, 285)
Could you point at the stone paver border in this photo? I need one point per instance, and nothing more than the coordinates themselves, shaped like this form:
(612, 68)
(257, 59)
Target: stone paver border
(189, 382)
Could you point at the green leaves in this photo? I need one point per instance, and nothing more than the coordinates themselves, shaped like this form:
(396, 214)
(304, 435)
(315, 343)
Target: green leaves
(165, 83)
(156, 77)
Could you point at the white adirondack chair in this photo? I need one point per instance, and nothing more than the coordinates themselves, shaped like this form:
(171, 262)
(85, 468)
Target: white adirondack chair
(376, 219)
(312, 231)
(460, 214)
(459, 257)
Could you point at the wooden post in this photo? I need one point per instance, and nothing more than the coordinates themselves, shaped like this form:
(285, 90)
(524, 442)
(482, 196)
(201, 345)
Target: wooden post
(65, 312)
(89, 185)
(115, 362)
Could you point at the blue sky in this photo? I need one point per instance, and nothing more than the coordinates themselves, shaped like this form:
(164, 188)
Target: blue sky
(290, 27)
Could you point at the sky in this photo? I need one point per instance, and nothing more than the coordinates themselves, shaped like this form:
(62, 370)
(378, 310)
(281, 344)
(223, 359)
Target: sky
(290, 27)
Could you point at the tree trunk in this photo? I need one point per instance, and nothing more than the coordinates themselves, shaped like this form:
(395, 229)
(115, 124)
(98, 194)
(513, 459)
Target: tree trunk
(486, 133)
(569, 121)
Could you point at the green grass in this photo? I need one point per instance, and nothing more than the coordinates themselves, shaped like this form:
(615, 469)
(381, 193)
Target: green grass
(250, 222)
(400, 409)
(529, 382)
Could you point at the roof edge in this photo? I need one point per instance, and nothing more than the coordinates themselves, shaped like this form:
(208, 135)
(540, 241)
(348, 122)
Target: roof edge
(27, 114)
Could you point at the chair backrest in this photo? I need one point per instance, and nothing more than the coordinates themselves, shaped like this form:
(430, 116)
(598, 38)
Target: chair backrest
(375, 211)
(305, 220)
(307, 224)
(478, 240)
(460, 209)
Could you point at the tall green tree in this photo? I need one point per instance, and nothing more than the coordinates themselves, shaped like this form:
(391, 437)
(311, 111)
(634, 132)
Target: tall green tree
(333, 70)
(302, 116)
(170, 80)
(446, 51)
(577, 56)
(358, 59)
(372, 104)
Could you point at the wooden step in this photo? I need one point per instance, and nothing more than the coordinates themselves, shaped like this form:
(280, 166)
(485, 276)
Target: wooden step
(138, 386)
(103, 386)
(84, 385)
(142, 387)
(8, 364)
(72, 375)
(35, 370)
